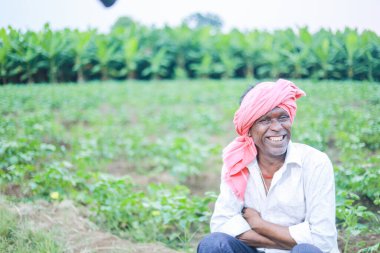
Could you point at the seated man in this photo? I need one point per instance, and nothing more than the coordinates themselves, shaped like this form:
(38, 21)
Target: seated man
(275, 195)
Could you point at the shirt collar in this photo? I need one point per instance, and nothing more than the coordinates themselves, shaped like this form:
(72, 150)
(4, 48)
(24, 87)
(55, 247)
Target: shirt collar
(292, 155)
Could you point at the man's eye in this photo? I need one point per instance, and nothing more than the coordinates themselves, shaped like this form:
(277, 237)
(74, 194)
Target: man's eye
(284, 118)
(264, 121)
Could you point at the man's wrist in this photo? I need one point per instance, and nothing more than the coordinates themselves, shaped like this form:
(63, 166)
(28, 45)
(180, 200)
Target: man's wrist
(257, 225)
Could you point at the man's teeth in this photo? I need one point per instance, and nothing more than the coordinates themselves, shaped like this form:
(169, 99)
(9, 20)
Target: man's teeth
(277, 138)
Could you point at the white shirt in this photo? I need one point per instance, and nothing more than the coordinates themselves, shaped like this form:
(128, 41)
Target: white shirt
(301, 197)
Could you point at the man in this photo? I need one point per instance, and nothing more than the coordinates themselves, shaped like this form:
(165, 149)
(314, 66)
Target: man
(275, 195)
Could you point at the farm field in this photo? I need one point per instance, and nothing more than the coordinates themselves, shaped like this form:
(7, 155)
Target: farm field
(142, 160)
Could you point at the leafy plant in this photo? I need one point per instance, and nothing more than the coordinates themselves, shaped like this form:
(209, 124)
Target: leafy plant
(349, 213)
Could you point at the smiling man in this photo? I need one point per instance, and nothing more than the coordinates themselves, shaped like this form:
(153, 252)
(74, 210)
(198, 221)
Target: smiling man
(275, 195)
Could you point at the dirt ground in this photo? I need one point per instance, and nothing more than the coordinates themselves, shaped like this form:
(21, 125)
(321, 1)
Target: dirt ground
(69, 226)
(198, 184)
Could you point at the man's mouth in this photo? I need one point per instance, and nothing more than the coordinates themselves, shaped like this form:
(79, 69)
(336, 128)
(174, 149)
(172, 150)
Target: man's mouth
(276, 138)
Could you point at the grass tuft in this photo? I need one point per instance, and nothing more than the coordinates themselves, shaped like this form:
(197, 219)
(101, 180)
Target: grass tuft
(16, 236)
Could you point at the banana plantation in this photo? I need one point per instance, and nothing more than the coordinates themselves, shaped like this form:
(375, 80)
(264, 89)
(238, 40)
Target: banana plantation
(134, 51)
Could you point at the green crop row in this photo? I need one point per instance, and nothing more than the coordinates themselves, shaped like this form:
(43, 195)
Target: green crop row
(109, 146)
(157, 212)
(134, 51)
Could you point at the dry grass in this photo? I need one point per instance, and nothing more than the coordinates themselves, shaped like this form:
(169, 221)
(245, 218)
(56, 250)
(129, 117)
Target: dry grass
(70, 228)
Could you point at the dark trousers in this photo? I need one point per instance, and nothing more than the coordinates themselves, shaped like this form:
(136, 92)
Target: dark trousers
(223, 243)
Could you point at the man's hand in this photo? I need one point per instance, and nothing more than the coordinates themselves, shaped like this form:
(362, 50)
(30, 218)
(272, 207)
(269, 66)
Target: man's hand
(252, 217)
(277, 234)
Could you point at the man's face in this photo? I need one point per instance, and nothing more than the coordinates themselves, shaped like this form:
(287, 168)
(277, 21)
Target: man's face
(271, 133)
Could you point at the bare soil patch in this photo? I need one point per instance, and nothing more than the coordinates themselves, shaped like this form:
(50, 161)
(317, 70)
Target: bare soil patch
(123, 168)
(358, 242)
(198, 184)
(205, 182)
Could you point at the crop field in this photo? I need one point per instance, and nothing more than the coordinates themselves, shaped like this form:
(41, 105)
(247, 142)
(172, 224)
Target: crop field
(144, 158)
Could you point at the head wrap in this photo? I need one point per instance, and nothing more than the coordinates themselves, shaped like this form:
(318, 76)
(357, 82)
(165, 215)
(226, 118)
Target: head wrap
(263, 98)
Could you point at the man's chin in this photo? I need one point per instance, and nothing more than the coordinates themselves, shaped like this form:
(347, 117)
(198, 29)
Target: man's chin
(277, 151)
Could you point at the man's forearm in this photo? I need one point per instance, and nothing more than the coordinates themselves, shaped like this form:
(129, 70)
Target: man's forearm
(276, 233)
(280, 235)
(254, 239)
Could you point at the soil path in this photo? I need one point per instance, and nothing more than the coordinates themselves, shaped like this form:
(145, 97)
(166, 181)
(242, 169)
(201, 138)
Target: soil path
(76, 233)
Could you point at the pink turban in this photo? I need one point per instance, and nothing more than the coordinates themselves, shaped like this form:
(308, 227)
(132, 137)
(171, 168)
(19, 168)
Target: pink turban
(260, 100)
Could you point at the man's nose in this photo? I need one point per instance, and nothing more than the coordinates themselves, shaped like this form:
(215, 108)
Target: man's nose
(275, 125)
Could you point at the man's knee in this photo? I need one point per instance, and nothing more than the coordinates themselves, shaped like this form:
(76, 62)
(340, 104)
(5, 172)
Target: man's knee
(305, 248)
(215, 242)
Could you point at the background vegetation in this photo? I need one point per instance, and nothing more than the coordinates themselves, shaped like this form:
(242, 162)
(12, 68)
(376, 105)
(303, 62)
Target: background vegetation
(144, 157)
(134, 51)
(141, 155)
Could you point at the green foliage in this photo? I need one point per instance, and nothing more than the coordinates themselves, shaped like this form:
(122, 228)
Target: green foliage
(372, 249)
(350, 214)
(163, 213)
(133, 51)
(63, 141)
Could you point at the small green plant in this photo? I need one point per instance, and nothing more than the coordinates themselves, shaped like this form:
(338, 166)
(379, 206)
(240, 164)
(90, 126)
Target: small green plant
(372, 249)
(351, 215)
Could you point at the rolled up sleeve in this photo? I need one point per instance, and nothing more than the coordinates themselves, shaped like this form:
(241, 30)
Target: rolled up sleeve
(301, 233)
(233, 226)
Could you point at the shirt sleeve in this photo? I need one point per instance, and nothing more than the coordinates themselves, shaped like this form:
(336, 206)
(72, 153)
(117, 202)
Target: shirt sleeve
(319, 226)
(227, 217)
(301, 233)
